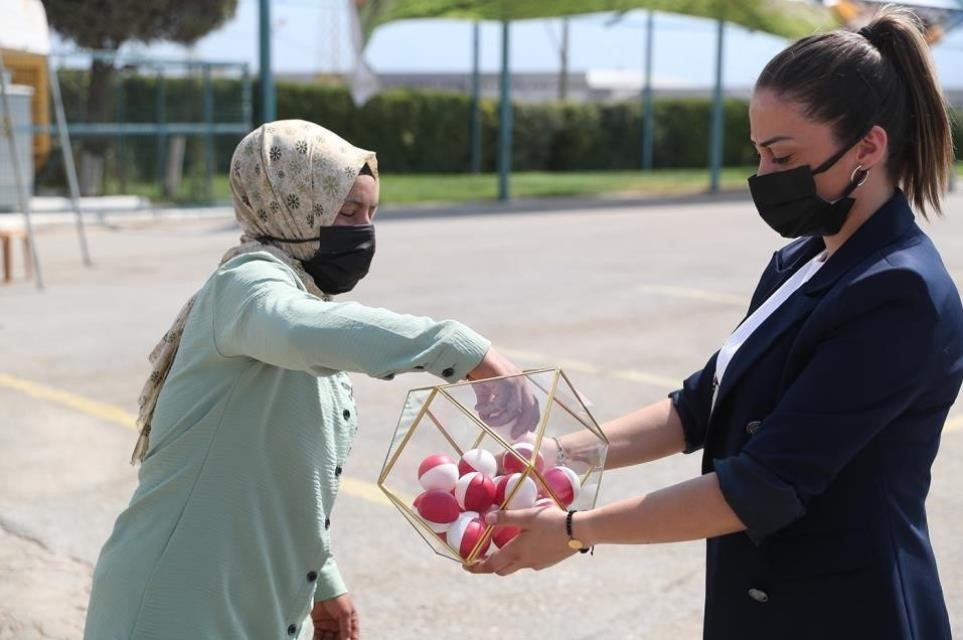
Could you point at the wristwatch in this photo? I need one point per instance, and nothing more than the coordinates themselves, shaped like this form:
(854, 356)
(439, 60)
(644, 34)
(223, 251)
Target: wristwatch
(573, 542)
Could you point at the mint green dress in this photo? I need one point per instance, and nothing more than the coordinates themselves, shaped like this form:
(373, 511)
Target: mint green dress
(226, 535)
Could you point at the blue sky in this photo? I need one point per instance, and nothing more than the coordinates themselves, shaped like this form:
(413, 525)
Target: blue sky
(312, 36)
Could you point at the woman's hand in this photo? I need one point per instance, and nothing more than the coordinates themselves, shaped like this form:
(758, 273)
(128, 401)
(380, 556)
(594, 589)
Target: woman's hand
(541, 543)
(336, 619)
(509, 403)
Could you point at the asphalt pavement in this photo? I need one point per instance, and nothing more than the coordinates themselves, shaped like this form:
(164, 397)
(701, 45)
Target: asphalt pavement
(627, 297)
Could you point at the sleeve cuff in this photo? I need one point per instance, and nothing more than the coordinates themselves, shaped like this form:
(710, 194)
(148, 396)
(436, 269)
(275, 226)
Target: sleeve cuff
(330, 583)
(693, 439)
(763, 502)
(464, 350)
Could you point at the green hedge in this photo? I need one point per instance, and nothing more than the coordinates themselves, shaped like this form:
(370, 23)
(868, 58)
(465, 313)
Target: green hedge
(417, 131)
(428, 131)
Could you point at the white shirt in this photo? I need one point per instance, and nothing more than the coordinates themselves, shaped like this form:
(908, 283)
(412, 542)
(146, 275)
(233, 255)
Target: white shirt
(755, 320)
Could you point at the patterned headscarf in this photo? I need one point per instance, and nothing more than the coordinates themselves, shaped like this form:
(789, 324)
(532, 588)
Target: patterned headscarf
(288, 179)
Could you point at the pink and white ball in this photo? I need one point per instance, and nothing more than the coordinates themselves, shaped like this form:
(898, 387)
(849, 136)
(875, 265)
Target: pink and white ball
(477, 460)
(465, 533)
(524, 497)
(564, 483)
(525, 451)
(475, 491)
(438, 509)
(438, 472)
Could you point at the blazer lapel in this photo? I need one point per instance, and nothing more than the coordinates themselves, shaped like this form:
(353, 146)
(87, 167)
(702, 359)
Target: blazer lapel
(786, 262)
(795, 309)
(893, 220)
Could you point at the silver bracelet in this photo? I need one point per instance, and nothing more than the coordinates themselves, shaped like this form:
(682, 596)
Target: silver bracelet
(560, 456)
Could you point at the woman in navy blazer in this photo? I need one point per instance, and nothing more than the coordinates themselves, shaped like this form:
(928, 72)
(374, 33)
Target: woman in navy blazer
(821, 416)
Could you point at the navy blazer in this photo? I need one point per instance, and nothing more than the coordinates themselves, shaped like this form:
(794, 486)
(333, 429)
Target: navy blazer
(824, 430)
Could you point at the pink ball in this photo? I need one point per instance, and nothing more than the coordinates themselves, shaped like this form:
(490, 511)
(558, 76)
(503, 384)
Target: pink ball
(544, 502)
(565, 483)
(438, 509)
(511, 463)
(504, 535)
(465, 533)
(439, 472)
(475, 491)
(525, 496)
(477, 460)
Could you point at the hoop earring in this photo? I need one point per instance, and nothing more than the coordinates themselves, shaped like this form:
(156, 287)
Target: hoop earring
(863, 175)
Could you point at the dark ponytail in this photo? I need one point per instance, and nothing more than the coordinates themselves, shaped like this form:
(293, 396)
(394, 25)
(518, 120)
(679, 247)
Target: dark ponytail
(883, 75)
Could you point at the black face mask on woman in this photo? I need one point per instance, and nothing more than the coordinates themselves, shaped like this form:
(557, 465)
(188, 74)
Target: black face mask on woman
(343, 257)
(788, 202)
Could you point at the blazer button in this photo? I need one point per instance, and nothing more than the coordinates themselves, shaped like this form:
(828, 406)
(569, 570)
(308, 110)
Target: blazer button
(449, 372)
(312, 576)
(337, 471)
(753, 426)
(758, 595)
(346, 414)
(327, 523)
(292, 629)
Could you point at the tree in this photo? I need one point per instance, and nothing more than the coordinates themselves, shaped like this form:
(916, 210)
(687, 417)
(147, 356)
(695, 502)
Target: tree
(107, 24)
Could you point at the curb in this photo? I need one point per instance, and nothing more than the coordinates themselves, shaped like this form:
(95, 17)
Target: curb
(147, 213)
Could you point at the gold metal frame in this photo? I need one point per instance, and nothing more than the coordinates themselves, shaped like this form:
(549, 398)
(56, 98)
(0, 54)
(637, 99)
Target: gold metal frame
(403, 503)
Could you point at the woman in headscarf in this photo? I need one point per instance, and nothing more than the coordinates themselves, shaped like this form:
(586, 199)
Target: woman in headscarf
(248, 415)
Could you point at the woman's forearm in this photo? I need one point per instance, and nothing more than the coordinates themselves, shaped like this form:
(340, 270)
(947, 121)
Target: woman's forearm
(690, 510)
(650, 433)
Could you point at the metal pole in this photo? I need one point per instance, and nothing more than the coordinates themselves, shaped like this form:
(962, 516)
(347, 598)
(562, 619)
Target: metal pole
(648, 111)
(475, 132)
(22, 194)
(161, 109)
(68, 155)
(715, 152)
(505, 120)
(120, 113)
(208, 133)
(268, 97)
(246, 107)
(563, 76)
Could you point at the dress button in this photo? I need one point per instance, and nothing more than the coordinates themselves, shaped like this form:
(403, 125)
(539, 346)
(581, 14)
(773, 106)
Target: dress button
(337, 471)
(327, 523)
(312, 576)
(752, 427)
(292, 629)
(346, 414)
(758, 595)
(449, 372)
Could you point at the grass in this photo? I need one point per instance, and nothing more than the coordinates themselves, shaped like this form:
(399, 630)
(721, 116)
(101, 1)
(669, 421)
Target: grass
(407, 189)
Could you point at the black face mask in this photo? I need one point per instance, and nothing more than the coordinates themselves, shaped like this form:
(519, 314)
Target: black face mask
(788, 202)
(343, 258)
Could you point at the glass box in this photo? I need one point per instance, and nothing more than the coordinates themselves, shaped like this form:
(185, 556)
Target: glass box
(452, 460)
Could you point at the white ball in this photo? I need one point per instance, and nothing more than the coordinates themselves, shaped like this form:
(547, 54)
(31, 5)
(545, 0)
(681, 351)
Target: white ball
(475, 491)
(478, 460)
(438, 472)
(465, 533)
(526, 495)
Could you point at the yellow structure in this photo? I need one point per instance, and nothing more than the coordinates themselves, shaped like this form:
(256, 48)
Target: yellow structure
(25, 46)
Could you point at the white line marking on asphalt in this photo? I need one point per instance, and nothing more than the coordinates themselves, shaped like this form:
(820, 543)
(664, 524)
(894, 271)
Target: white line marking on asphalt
(117, 415)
